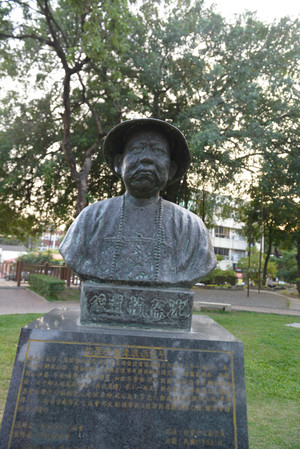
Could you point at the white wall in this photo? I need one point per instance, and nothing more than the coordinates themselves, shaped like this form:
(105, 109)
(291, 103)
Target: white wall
(8, 252)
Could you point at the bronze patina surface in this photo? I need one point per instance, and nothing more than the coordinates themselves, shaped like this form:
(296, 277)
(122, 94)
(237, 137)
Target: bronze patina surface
(140, 239)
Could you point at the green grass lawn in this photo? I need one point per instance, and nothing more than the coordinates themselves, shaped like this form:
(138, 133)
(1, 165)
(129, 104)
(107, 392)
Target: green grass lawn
(10, 327)
(272, 367)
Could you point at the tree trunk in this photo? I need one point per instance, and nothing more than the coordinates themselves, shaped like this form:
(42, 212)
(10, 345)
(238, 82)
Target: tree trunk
(80, 177)
(249, 251)
(298, 264)
(259, 265)
(82, 191)
(185, 191)
(203, 213)
(268, 253)
(156, 108)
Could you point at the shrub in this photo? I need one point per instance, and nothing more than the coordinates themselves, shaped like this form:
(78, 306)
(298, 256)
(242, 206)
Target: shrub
(45, 285)
(221, 277)
(38, 258)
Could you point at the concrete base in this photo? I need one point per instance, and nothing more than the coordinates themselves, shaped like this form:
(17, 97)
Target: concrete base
(97, 387)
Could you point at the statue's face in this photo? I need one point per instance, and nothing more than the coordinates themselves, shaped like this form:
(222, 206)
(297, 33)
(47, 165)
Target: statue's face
(145, 165)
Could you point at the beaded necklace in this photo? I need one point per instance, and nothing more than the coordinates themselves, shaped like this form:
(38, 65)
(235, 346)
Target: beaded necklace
(120, 240)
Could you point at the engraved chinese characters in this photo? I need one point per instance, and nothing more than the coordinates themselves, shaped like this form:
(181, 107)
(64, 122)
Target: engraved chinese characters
(114, 304)
(103, 378)
(136, 307)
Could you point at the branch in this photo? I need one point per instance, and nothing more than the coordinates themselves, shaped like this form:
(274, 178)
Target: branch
(91, 108)
(54, 151)
(78, 66)
(56, 44)
(87, 157)
(49, 17)
(66, 117)
(246, 156)
(27, 5)
(76, 31)
(28, 36)
(78, 27)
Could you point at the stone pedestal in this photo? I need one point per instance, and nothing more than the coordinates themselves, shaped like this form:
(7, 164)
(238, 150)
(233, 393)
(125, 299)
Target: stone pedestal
(97, 387)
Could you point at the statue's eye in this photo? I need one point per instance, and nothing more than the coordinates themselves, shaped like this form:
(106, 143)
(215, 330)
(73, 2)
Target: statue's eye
(137, 149)
(159, 150)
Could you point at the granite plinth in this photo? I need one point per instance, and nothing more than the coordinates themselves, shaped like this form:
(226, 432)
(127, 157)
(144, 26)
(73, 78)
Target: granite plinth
(151, 307)
(87, 387)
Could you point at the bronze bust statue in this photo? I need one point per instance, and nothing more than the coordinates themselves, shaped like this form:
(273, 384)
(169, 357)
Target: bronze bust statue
(139, 238)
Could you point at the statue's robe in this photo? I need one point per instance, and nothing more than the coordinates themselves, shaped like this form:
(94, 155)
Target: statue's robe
(173, 248)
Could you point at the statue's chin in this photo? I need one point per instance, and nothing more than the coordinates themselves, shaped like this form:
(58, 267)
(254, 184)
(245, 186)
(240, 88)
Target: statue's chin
(143, 187)
(144, 193)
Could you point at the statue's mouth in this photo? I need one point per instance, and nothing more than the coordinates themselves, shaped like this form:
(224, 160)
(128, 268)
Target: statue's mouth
(145, 172)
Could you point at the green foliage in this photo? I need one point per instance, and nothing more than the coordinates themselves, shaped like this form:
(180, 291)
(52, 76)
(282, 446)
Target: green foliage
(287, 266)
(37, 258)
(219, 83)
(46, 286)
(50, 138)
(230, 87)
(13, 241)
(254, 266)
(273, 211)
(204, 204)
(221, 277)
(17, 224)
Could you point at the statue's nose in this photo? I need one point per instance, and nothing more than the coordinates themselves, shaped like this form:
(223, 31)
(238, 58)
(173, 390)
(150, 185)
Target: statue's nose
(146, 155)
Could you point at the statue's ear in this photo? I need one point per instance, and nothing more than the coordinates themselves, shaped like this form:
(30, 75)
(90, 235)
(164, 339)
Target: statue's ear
(172, 170)
(118, 163)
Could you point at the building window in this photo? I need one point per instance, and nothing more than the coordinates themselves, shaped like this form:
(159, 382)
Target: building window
(236, 255)
(222, 252)
(221, 231)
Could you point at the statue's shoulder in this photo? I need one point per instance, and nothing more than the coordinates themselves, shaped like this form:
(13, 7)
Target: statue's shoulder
(100, 208)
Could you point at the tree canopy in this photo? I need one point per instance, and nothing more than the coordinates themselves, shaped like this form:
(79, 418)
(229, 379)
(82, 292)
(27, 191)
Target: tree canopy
(82, 67)
(66, 54)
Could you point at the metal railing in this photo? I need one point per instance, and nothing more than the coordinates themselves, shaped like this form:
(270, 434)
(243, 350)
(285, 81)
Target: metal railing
(19, 271)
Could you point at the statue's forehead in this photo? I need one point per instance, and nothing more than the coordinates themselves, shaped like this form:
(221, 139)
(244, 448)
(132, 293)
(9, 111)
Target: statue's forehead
(149, 135)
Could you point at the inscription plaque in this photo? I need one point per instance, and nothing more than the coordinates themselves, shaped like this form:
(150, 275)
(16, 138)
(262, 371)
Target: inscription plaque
(82, 389)
(161, 308)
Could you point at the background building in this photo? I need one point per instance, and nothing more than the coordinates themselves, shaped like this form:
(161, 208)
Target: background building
(228, 242)
(11, 252)
(50, 240)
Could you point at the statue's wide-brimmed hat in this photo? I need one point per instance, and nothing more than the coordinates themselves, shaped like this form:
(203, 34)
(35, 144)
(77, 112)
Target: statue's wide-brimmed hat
(116, 138)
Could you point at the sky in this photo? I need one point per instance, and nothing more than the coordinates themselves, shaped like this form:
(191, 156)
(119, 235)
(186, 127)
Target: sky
(267, 10)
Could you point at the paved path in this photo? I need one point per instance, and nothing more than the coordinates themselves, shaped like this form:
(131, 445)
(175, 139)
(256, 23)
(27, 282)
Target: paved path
(22, 300)
(264, 302)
